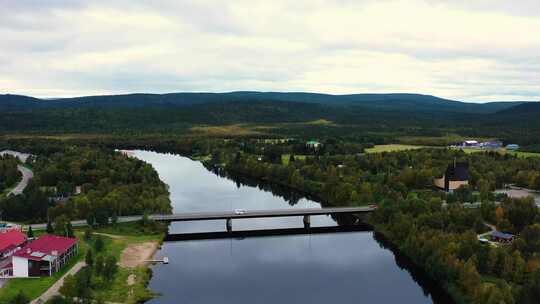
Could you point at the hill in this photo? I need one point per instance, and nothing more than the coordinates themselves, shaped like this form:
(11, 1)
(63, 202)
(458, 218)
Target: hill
(529, 108)
(387, 102)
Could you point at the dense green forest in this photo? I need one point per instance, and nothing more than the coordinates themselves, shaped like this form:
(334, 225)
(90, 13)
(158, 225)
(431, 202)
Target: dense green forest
(87, 183)
(433, 228)
(385, 117)
(9, 174)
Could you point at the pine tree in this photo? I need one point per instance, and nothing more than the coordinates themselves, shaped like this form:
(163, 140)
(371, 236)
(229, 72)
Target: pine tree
(30, 233)
(49, 228)
(89, 258)
(69, 230)
(20, 298)
(469, 277)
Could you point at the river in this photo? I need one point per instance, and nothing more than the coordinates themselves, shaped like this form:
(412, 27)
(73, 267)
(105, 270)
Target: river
(318, 268)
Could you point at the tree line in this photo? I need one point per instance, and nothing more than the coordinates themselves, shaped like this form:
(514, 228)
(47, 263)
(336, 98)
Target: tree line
(9, 175)
(73, 182)
(431, 227)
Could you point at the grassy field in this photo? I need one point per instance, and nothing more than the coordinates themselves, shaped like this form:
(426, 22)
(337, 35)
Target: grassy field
(449, 139)
(392, 148)
(503, 151)
(286, 157)
(224, 130)
(118, 290)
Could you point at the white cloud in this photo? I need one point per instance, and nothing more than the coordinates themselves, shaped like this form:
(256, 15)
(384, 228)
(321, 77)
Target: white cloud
(454, 49)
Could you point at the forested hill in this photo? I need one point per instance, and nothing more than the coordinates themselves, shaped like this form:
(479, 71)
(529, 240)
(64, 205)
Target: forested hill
(530, 108)
(390, 102)
(389, 116)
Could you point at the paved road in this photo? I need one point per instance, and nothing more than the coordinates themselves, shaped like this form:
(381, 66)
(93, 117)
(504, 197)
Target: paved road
(82, 223)
(199, 216)
(27, 174)
(55, 288)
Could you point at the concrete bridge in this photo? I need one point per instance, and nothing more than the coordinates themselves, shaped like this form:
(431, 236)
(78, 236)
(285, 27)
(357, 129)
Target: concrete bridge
(228, 216)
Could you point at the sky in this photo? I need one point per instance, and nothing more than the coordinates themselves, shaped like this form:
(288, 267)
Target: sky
(481, 50)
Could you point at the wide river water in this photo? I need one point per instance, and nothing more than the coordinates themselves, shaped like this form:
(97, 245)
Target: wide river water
(319, 268)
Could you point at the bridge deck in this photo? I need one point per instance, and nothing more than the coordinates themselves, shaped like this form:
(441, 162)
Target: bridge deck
(201, 216)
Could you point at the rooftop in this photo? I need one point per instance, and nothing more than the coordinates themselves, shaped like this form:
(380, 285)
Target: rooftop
(458, 172)
(46, 247)
(502, 235)
(10, 239)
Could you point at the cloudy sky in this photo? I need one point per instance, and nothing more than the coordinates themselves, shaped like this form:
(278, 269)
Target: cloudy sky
(468, 50)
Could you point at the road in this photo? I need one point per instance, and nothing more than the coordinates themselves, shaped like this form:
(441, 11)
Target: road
(27, 175)
(55, 288)
(199, 216)
(82, 223)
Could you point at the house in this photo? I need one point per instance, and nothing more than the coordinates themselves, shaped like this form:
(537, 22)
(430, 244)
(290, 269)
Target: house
(512, 147)
(44, 256)
(456, 175)
(492, 144)
(502, 237)
(313, 144)
(470, 143)
(10, 241)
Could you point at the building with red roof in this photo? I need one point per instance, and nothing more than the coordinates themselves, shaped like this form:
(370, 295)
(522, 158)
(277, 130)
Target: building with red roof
(43, 256)
(10, 240)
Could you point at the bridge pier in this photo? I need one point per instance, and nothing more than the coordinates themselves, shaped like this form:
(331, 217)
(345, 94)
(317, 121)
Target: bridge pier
(229, 225)
(307, 221)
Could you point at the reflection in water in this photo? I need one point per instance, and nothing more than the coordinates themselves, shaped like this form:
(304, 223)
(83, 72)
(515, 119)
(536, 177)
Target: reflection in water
(322, 268)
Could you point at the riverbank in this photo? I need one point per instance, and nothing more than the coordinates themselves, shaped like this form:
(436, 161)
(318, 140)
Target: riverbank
(418, 271)
(444, 291)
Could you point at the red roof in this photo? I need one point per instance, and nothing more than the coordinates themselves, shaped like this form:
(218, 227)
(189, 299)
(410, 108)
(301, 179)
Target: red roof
(45, 245)
(11, 239)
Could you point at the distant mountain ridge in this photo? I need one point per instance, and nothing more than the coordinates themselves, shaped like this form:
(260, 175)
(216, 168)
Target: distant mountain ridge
(386, 102)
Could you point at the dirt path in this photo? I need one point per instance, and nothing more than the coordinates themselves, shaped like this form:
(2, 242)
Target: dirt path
(112, 236)
(53, 290)
(137, 254)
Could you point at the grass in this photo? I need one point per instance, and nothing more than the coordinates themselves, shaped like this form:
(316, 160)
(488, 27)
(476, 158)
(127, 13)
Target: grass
(320, 122)
(524, 154)
(118, 290)
(502, 151)
(224, 130)
(446, 140)
(392, 148)
(286, 157)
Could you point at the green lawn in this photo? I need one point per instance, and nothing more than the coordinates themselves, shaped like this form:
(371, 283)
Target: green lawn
(285, 158)
(503, 151)
(392, 148)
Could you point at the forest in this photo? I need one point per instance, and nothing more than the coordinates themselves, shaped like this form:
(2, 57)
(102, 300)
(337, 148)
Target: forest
(371, 117)
(95, 184)
(431, 227)
(9, 175)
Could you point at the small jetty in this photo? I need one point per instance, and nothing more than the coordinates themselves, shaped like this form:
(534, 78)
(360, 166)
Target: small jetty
(164, 260)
